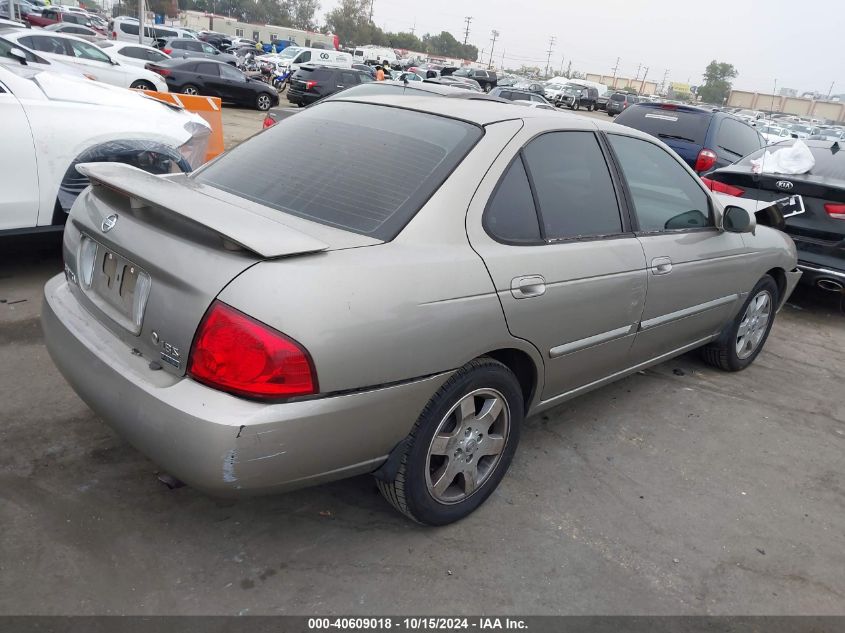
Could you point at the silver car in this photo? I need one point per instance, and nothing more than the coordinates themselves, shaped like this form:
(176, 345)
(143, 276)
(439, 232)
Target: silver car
(397, 295)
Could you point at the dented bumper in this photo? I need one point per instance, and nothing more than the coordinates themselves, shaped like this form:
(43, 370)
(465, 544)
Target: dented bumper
(214, 441)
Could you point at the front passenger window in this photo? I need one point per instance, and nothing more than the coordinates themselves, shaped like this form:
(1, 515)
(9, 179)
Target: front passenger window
(665, 196)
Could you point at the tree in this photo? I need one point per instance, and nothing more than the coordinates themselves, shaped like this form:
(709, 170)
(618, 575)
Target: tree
(717, 82)
(301, 13)
(350, 21)
(446, 45)
(405, 41)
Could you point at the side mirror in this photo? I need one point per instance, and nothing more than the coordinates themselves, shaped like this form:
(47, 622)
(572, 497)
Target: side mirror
(738, 220)
(16, 53)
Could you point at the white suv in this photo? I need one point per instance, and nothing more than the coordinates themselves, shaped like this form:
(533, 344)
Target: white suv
(125, 29)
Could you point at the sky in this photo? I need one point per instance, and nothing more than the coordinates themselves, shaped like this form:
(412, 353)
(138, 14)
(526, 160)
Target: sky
(777, 42)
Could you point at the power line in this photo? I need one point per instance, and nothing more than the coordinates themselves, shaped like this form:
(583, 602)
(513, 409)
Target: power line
(467, 19)
(549, 57)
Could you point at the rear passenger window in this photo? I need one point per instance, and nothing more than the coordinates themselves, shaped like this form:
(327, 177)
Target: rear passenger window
(737, 138)
(573, 186)
(666, 197)
(510, 215)
(207, 68)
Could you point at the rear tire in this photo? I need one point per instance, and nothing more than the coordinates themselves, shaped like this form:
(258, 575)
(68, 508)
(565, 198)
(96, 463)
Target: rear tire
(743, 339)
(461, 446)
(190, 90)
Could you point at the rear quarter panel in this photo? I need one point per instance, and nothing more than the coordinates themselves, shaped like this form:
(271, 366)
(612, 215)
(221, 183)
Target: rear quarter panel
(418, 305)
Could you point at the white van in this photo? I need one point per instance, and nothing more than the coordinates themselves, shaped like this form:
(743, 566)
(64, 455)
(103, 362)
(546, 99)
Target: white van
(125, 29)
(314, 57)
(374, 55)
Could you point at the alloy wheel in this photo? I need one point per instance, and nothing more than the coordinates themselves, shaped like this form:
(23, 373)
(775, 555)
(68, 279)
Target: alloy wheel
(467, 446)
(263, 102)
(752, 327)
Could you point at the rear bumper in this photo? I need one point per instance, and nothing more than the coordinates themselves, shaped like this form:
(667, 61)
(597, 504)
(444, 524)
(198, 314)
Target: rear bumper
(815, 273)
(299, 97)
(216, 442)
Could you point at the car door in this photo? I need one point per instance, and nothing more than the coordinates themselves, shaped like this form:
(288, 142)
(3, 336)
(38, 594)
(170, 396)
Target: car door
(211, 84)
(236, 84)
(18, 167)
(693, 288)
(348, 79)
(96, 62)
(568, 270)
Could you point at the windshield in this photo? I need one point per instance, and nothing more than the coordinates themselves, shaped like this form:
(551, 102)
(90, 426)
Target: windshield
(402, 157)
(289, 52)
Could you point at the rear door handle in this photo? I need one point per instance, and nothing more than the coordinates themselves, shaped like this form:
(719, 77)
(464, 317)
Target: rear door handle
(528, 286)
(661, 266)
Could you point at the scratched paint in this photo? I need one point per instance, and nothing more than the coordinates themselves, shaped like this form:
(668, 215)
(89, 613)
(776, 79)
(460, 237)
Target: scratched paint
(229, 466)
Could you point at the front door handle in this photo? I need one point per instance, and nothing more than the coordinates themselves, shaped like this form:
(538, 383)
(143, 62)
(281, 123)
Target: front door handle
(528, 286)
(661, 266)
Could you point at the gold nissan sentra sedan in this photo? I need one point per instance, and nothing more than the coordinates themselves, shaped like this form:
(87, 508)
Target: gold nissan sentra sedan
(396, 294)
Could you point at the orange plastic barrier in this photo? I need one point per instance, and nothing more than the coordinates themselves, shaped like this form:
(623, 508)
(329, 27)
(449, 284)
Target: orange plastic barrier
(207, 107)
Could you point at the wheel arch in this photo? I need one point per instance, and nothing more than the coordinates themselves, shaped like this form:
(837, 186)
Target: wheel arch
(523, 367)
(779, 275)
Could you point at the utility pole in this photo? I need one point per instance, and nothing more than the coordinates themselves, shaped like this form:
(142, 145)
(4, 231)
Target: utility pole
(371, 10)
(637, 76)
(830, 91)
(562, 59)
(495, 34)
(549, 56)
(467, 19)
(140, 21)
(663, 83)
(503, 60)
(569, 70)
(615, 68)
(774, 90)
(642, 85)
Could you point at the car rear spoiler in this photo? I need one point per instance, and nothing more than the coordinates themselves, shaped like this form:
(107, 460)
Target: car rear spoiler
(265, 236)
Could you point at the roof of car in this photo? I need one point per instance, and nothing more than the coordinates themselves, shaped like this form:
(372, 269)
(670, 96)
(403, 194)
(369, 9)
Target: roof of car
(487, 111)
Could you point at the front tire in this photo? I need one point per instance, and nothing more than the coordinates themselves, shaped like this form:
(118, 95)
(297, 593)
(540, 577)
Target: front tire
(190, 90)
(263, 102)
(743, 339)
(142, 85)
(461, 446)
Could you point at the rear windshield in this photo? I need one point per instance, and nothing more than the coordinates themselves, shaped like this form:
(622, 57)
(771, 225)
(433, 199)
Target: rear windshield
(830, 160)
(617, 97)
(666, 123)
(359, 167)
(314, 74)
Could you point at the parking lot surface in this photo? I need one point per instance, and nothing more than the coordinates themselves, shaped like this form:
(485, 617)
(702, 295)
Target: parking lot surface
(679, 490)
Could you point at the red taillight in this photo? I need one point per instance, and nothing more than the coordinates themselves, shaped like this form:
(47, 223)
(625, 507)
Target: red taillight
(114, 35)
(706, 159)
(268, 122)
(233, 352)
(668, 106)
(168, 51)
(720, 187)
(310, 84)
(161, 71)
(836, 211)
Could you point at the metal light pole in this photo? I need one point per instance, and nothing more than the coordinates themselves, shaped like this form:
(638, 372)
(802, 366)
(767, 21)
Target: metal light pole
(140, 21)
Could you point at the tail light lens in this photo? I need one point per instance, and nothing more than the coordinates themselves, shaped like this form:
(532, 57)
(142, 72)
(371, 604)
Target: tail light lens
(168, 51)
(114, 35)
(720, 187)
(705, 160)
(310, 84)
(836, 211)
(268, 122)
(161, 71)
(235, 353)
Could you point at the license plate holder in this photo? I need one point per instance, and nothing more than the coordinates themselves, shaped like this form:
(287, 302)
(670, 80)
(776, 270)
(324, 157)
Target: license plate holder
(790, 206)
(121, 288)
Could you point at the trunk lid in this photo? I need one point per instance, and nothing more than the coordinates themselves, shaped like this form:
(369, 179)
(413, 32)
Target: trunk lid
(147, 255)
(814, 225)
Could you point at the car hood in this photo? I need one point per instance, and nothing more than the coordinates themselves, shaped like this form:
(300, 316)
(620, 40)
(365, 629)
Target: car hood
(58, 87)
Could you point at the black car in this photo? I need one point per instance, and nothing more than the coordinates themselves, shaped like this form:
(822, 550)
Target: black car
(602, 99)
(215, 79)
(486, 78)
(187, 47)
(812, 206)
(517, 94)
(312, 83)
(588, 97)
(704, 139)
